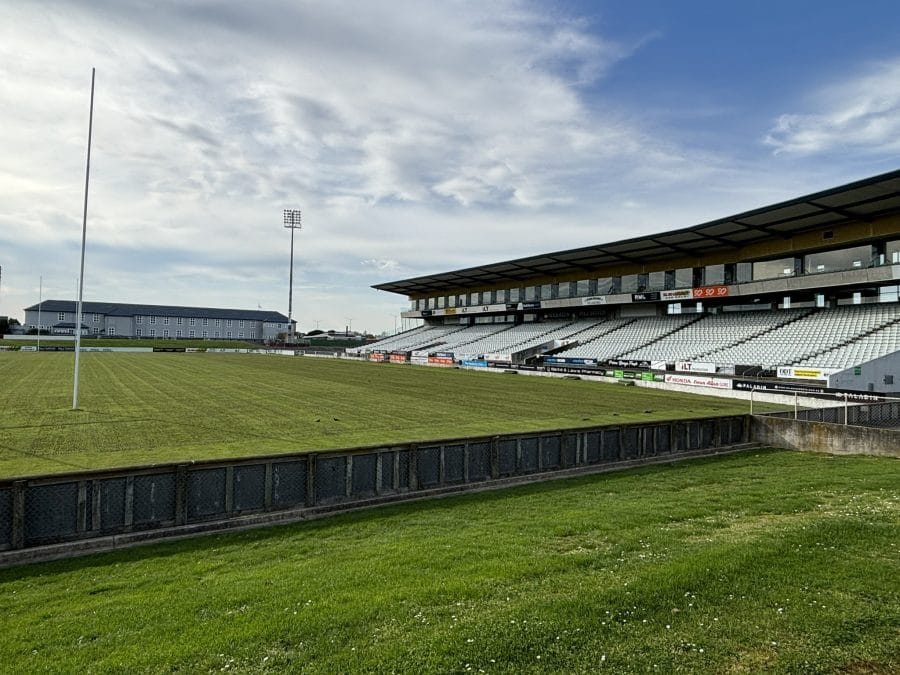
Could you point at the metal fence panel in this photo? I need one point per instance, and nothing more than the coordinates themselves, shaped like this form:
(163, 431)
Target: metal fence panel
(387, 471)
(612, 441)
(288, 484)
(592, 447)
(570, 448)
(631, 442)
(663, 439)
(429, 465)
(507, 449)
(363, 476)
(249, 488)
(479, 461)
(112, 504)
(6, 509)
(454, 463)
(707, 433)
(551, 452)
(331, 479)
(206, 494)
(154, 499)
(529, 457)
(403, 459)
(51, 512)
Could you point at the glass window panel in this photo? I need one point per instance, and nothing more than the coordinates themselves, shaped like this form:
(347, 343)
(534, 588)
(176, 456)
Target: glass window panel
(684, 277)
(530, 293)
(515, 294)
(843, 259)
(656, 281)
(715, 275)
(629, 283)
(582, 287)
(771, 269)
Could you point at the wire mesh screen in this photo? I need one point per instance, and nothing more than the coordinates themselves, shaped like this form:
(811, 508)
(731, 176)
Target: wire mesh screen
(528, 461)
(454, 463)
(6, 516)
(154, 500)
(249, 488)
(631, 442)
(569, 445)
(707, 433)
(387, 471)
(429, 466)
(403, 460)
(507, 450)
(551, 452)
(112, 504)
(662, 439)
(612, 445)
(205, 494)
(331, 479)
(51, 512)
(592, 447)
(364, 475)
(288, 484)
(479, 461)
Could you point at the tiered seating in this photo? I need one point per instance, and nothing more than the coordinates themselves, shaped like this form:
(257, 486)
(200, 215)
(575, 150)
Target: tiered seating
(629, 337)
(713, 332)
(794, 342)
(880, 343)
(410, 340)
(456, 341)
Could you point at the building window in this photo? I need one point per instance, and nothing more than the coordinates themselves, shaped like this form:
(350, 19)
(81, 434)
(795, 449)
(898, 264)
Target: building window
(152, 332)
(139, 332)
(96, 330)
(241, 323)
(193, 320)
(205, 322)
(178, 333)
(166, 321)
(218, 322)
(61, 316)
(179, 321)
(241, 335)
(152, 319)
(139, 319)
(96, 318)
(193, 333)
(217, 334)
(228, 335)
(228, 323)
(252, 334)
(111, 330)
(205, 334)
(165, 333)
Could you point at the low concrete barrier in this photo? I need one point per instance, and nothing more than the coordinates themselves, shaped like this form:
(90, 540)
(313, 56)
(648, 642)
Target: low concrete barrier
(837, 439)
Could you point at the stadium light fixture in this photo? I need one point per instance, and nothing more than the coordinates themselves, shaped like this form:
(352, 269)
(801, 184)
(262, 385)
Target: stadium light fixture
(291, 222)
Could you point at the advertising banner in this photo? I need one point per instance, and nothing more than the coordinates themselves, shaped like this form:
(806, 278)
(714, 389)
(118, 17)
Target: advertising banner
(699, 381)
(791, 372)
(474, 363)
(561, 360)
(695, 367)
(502, 358)
(682, 294)
(652, 296)
(399, 358)
(710, 292)
(377, 356)
(418, 359)
(536, 304)
(628, 363)
(594, 300)
(441, 360)
(777, 387)
(657, 365)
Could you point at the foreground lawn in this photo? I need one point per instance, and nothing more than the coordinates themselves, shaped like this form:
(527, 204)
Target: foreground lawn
(144, 408)
(773, 561)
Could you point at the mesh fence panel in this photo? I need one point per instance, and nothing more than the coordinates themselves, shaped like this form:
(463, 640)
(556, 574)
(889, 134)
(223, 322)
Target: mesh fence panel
(429, 465)
(249, 488)
(479, 461)
(507, 449)
(592, 447)
(112, 504)
(387, 471)
(454, 463)
(154, 500)
(570, 449)
(205, 494)
(662, 439)
(6, 500)
(631, 443)
(551, 452)
(331, 479)
(288, 484)
(403, 460)
(51, 512)
(364, 474)
(529, 455)
(612, 445)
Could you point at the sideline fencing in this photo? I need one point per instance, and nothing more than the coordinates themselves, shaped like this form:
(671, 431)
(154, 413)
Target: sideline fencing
(167, 499)
(843, 410)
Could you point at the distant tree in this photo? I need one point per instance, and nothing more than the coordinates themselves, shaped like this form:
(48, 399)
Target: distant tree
(4, 325)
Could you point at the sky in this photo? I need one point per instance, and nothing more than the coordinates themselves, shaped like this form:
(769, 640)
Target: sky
(415, 136)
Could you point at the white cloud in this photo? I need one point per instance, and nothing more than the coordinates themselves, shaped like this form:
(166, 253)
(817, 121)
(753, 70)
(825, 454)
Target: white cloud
(861, 113)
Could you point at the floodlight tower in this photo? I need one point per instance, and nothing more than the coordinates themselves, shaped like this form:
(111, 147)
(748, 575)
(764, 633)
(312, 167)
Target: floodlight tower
(291, 222)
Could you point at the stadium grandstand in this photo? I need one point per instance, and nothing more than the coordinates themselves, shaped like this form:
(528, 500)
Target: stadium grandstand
(801, 295)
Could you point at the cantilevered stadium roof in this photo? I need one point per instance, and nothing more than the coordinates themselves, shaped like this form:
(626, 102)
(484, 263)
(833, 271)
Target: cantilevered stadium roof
(861, 201)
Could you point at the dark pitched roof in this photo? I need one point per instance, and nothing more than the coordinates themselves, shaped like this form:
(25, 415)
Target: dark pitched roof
(124, 309)
(861, 201)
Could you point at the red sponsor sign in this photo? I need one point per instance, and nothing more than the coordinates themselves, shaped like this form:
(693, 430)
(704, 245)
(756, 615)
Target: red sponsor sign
(440, 360)
(398, 358)
(376, 356)
(710, 292)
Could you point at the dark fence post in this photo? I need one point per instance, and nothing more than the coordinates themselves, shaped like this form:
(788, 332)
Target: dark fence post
(311, 479)
(18, 514)
(267, 497)
(96, 512)
(81, 522)
(129, 503)
(229, 489)
(413, 467)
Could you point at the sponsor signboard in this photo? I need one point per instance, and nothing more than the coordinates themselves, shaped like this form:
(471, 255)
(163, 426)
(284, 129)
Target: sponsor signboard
(474, 363)
(699, 381)
(782, 387)
(594, 300)
(377, 356)
(791, 372)
(651, 296)
(682, 294)
(562, 360)
(657, 365)
(418, 359)
(504, 358)
(531, 305)
(628, 363)
(399, 358)
(695, 367)
(438, 360)
(709, 292)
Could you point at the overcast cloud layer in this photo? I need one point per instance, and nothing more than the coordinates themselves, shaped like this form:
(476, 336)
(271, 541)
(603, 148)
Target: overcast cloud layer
(416, 137)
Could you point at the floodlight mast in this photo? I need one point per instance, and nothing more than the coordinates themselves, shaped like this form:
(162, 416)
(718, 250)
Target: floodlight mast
(291, 222)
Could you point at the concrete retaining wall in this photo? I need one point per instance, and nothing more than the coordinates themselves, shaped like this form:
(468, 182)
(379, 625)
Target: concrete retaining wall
(823, 437)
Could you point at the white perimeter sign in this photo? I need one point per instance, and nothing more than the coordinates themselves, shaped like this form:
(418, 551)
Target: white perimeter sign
(699, 381)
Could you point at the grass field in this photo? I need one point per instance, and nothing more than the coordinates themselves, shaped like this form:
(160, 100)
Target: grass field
(146, 408)
(49, 341)
(765, 562)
